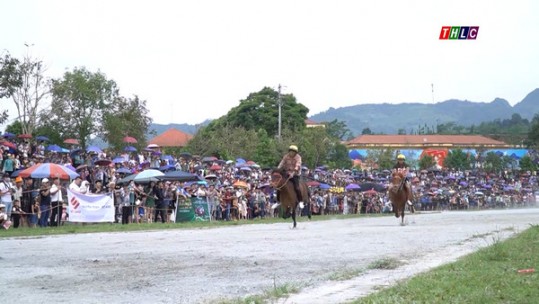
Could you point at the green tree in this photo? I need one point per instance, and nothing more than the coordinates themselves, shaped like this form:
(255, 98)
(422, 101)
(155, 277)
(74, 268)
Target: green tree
(338, 156)
(381, 158)
(527, 164)
(260, 110)
(366, 131)
(79, 100)
(533, 133)
(126, 117)
(494, 163)
(10, 79)
(338, 129)
(457, 159)
(426, 162)
(266, 154)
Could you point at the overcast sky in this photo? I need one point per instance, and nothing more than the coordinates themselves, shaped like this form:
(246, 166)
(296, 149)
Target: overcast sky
(194, 60)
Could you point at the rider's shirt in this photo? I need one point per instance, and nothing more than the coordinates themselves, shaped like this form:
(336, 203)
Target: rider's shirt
(292, 165)
(402, 165)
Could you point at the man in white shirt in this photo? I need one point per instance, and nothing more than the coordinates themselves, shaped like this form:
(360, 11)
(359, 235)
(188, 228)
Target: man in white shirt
(56, 203)
(76, 186)
(6, 189)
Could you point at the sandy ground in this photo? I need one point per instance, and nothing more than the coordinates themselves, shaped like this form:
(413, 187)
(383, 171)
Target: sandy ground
(208, 265)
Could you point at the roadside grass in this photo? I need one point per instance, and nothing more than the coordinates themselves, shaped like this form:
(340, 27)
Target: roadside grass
(72, 228)
(275, 293)
(385, 263)
(346, 274)
(487, 276)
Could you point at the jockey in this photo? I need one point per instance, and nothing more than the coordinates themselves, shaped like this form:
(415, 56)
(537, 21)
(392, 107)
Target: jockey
(291, 162)
(402, 166)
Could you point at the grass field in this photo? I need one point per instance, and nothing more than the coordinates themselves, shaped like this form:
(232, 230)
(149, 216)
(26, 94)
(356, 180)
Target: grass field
(490, 275)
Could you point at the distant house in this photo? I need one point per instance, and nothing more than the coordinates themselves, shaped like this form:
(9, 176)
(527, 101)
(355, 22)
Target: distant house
(171, 138)
(313, 124)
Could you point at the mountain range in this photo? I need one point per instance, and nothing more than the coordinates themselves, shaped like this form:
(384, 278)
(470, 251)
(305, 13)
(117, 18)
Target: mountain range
(389, 118)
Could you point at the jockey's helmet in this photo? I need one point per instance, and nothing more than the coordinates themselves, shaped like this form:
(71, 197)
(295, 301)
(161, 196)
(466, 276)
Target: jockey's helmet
(401, 156)
(293, 148)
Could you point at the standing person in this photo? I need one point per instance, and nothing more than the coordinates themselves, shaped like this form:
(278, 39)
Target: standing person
(56, 202)
(291, 163)
(76, 185)
(28, 201)
(6, 192)
(160, 207)
(126, 204)
(44, 203)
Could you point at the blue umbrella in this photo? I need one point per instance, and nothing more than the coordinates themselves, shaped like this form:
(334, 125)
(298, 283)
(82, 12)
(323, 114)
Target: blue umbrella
(42, 138)
(118, 160)
(245, 169)
(181, 176)
(240, 160)
(54, 148)
(8, 135)
(324, 186)
(352, 186)
(130, 149)
(167, 157)
(95, 149)
(123, 171)
(167, 167)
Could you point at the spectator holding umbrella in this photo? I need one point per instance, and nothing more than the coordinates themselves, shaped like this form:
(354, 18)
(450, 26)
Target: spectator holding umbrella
(44, 203)
(160, 207)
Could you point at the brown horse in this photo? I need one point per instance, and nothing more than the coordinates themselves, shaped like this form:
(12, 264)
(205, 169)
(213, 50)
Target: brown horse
(399, 194)
(288, 198)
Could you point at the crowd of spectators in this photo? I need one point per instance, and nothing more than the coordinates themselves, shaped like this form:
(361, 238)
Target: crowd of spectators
(234, 189)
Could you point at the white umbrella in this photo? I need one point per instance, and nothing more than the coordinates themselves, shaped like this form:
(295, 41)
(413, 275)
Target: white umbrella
(148, 175)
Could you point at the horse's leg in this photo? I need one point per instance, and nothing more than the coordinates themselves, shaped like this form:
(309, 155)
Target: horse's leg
(309, 211)
(402, 213)
(294, 216)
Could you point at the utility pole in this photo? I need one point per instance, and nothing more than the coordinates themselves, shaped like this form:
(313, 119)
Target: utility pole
(280, 103)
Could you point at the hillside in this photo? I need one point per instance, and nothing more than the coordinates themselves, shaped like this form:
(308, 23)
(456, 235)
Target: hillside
(389, 118)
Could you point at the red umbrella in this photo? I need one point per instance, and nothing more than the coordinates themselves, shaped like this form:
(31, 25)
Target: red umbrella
(71, 141)
(130, 140)
(9, 144)
(25, 136)
(215, 167)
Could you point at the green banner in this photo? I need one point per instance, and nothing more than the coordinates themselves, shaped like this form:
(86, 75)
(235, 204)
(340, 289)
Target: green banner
(192, 209)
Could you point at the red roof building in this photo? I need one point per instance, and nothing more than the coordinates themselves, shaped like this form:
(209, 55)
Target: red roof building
(171, 138)
(424, 141)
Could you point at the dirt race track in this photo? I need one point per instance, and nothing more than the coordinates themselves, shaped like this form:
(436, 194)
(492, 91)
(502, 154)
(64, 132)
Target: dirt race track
(208, 265)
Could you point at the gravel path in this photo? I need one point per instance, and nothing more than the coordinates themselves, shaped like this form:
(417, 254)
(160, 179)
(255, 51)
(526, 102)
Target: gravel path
(208, 265)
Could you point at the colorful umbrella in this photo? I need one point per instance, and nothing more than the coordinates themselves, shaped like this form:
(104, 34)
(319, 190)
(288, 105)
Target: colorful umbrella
(71, 141)
(129, 140)
(130, 149)
(152, 146)
(49, 170)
